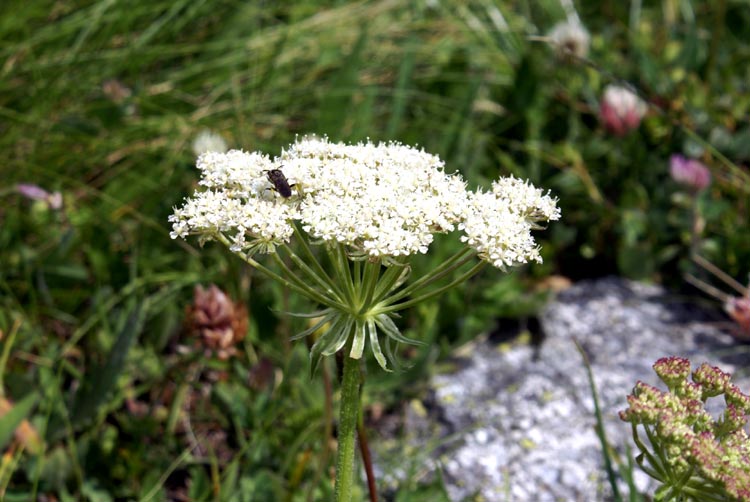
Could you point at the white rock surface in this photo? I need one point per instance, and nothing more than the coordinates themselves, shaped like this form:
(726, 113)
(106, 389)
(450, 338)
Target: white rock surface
(518, 424)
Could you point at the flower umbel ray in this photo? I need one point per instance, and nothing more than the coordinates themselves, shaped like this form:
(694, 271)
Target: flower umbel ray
(357, 213)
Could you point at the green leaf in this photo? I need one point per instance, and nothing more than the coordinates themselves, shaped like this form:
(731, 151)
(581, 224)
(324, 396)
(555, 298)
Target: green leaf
(330, 342)
(99, 383)
(391, 355)
(11, 420)
(358, 346)
(328, 318)
(303, 315)
(389, 328)
(375, 344)
(341, 338)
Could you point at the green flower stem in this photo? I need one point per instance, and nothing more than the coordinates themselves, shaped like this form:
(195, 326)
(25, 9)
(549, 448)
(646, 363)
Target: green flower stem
(706, 493)
(657, 471)
(321, 280)
(445, 268)
(651, 472)
(357, 277)
(303, 240)
(458, 280)
(347, 427)
(368, 285)
(292, 283)
(311, 293)
(663, 462)
(392, 278)
(343, 272)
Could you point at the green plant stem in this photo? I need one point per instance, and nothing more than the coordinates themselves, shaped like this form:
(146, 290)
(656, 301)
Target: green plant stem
(305, 245)
(369, 284)
(321, 279)
(663, 462)
(655, 469)
(301, 286)
(438, 273)
(606, 451)
(419, 299)
(292, 282)
(392, 279)
(7, 346)
(347, 427)
(343, 273)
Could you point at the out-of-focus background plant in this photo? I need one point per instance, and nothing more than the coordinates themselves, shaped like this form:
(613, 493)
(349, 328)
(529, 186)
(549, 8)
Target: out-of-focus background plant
(127, 386)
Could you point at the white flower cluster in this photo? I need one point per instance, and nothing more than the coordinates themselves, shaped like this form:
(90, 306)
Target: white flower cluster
(498, 224)
(570, 38)
(381, 200)
(209, 141)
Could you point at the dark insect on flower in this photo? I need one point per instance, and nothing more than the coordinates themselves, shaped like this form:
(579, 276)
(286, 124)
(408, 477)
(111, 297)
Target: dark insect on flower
(279, 182)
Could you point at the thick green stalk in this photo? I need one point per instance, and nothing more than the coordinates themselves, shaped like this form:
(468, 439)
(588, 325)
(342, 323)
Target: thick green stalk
(347, 427)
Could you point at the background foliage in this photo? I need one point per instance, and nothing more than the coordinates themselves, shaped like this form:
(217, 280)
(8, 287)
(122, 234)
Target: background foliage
(101, 100)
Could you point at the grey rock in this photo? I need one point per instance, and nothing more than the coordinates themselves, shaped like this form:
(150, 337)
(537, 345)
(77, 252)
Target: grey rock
(517, 424)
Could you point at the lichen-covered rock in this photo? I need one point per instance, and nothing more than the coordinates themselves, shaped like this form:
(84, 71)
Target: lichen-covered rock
(514, 423)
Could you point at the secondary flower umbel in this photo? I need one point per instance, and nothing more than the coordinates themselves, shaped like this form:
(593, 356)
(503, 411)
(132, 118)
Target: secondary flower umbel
(693, 455)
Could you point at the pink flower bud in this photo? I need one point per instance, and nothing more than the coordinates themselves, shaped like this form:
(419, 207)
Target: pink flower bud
(689, 172)
(621, 110)
(738, 309)
(35, 192)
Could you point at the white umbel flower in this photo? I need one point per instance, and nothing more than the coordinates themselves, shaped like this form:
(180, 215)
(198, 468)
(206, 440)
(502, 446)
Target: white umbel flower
(381, 201)
(209, 141)
(498, 223)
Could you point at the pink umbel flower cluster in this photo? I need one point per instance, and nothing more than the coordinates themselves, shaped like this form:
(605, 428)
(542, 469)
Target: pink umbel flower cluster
(689, 452)
(689, 172)
(621, 110)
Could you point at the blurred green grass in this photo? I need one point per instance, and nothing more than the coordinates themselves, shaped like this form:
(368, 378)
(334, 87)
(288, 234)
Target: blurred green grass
(101, 101)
